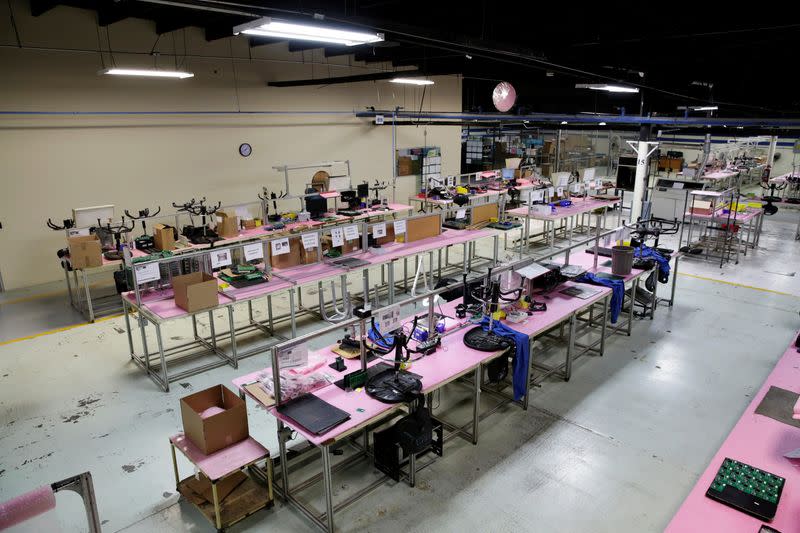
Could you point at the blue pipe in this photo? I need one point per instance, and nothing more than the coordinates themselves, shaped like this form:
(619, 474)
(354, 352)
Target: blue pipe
(609, 119)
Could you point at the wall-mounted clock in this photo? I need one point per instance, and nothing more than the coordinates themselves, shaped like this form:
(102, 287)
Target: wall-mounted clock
(245, 149)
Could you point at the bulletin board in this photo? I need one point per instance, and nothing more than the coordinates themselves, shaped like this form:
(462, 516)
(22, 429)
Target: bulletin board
(423, 227)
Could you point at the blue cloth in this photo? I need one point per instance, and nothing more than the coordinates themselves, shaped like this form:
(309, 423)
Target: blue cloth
(522, 356)
(617, 287)
(645, 252)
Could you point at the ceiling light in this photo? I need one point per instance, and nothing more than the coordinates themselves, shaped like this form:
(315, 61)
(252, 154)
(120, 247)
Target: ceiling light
(267, 27)
(412, 81)
(699, 108)
(563, 122)
(607, 87)
(152, 73)
(601, 124)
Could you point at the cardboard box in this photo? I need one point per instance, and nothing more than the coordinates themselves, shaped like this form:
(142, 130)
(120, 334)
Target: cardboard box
(85, 251)
(349, 246)
(405, 166)
(249, 223)
(195, 291)
(227, 225)
(214, 418)
(296, 256)
(701, 207)
(164, 237)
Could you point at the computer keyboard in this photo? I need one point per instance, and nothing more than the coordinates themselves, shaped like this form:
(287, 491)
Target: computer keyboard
(747, 488)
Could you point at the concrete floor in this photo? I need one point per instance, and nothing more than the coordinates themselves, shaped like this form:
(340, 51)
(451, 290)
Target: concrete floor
(615, 449)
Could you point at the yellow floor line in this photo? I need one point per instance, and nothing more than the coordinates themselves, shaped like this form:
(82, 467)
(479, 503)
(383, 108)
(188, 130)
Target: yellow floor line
(738, 285)
(58, 330)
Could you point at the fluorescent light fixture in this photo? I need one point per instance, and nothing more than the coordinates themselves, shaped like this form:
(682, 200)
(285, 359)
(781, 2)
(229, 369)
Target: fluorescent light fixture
(563, 122)
(268, 27)
(699, 108)
(601, 124)
(412, 81)
(151, 73)
(607, 87)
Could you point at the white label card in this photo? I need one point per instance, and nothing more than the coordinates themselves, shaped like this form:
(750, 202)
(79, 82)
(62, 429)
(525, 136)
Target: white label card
(379, 230)
(575, 187)
(598, 184)
(310, 240)
(537, 196)
(389, 319)
(293, 356)
(560, 191)
(677, 185)
(337, 237)
(399, 227)
(461, 213)
(147, 273)
(550, 192)
(220, 258)
(451, 181)
(351, 232)
(280, 246)
(253, 251)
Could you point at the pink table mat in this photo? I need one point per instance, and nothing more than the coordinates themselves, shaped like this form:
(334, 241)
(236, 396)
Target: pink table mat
(223, 462)
(578, 207)
(758, 441)
(453, 359)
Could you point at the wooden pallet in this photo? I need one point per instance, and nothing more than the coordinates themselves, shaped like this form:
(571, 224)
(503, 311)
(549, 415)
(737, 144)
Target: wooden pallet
(239, 495)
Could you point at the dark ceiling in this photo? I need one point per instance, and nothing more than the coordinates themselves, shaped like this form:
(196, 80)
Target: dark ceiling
(742, 59)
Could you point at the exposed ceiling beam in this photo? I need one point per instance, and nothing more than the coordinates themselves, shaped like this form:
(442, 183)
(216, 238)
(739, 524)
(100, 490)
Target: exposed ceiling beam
(167, 25)
(218, 31)
(343, 79)
(109, 14)
(40, 7)
(261, 41)
(300, 46)
(333, 51)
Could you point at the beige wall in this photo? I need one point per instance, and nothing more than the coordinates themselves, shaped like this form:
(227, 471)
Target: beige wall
(51, 164)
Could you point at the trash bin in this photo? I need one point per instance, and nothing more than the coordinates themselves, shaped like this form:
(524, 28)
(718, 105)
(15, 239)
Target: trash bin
(621, 260)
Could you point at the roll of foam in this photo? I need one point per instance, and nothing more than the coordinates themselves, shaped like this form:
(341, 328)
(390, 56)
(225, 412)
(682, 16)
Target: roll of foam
(211, 411)
(26, 506)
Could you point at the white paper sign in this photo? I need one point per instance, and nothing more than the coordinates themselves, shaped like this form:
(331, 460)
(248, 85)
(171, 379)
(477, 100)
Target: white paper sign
(461, 213)
(147, 273)
(598, 184)
(389, 319)
(451, 181)
(337, 237)
(280, 246)
(550, 192)
(399, 227)
(293, 356)
(560, 191)
(310, 240)
(677, 185)
(220, 258)
(379, 230)
(351, 232)
(575, 187)
(253, 251)
(588, 174)
(537, 196)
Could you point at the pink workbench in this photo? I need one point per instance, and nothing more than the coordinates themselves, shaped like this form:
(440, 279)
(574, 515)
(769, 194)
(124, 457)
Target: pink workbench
(452, 360)
(162, 303)
(225, 461)
(742, 217)
(758, 441)
(719, 175)
(579, 206)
